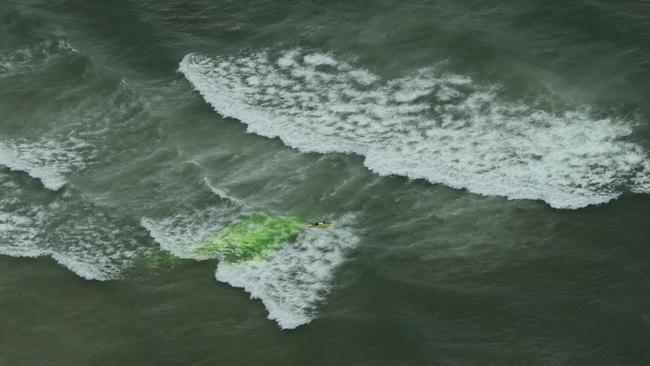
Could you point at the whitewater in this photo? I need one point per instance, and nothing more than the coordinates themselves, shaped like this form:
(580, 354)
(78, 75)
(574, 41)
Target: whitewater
(433, 125)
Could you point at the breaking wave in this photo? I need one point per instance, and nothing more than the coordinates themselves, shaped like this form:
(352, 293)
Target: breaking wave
(87, 239)
(48, 161)
(294, 281)
(437, 126)
(291, 282)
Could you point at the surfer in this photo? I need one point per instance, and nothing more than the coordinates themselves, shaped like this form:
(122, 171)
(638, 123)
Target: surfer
(320, 224)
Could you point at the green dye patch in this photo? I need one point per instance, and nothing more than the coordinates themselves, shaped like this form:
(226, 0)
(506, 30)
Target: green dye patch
(252, 238)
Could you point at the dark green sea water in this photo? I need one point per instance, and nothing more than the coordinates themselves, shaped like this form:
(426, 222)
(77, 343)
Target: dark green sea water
(486, 166)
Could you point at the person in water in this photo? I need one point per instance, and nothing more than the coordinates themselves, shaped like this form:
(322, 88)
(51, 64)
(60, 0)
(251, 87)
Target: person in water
(319, 224)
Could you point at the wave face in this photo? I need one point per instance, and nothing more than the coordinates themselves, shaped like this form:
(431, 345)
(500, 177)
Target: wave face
(432, 125)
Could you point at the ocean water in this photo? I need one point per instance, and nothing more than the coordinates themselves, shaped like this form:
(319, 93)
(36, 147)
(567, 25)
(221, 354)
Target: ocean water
(486, 166)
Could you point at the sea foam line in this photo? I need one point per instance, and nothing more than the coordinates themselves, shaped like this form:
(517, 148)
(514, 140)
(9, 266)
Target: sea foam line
(437, 126)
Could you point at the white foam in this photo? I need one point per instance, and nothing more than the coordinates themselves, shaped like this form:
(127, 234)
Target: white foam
(78, 235)
(46, 160)
(18, 235)
(318, 59)
(184, 234)
(292, 282)
(642, 180)
(432, 125)
(83, 269)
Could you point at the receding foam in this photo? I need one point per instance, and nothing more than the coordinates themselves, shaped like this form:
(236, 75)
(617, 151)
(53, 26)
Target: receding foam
(437, 126)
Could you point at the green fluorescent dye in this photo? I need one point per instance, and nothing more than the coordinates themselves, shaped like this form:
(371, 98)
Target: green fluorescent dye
(252, 238)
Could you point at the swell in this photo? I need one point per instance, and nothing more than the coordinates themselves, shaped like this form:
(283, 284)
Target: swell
(433, 125)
